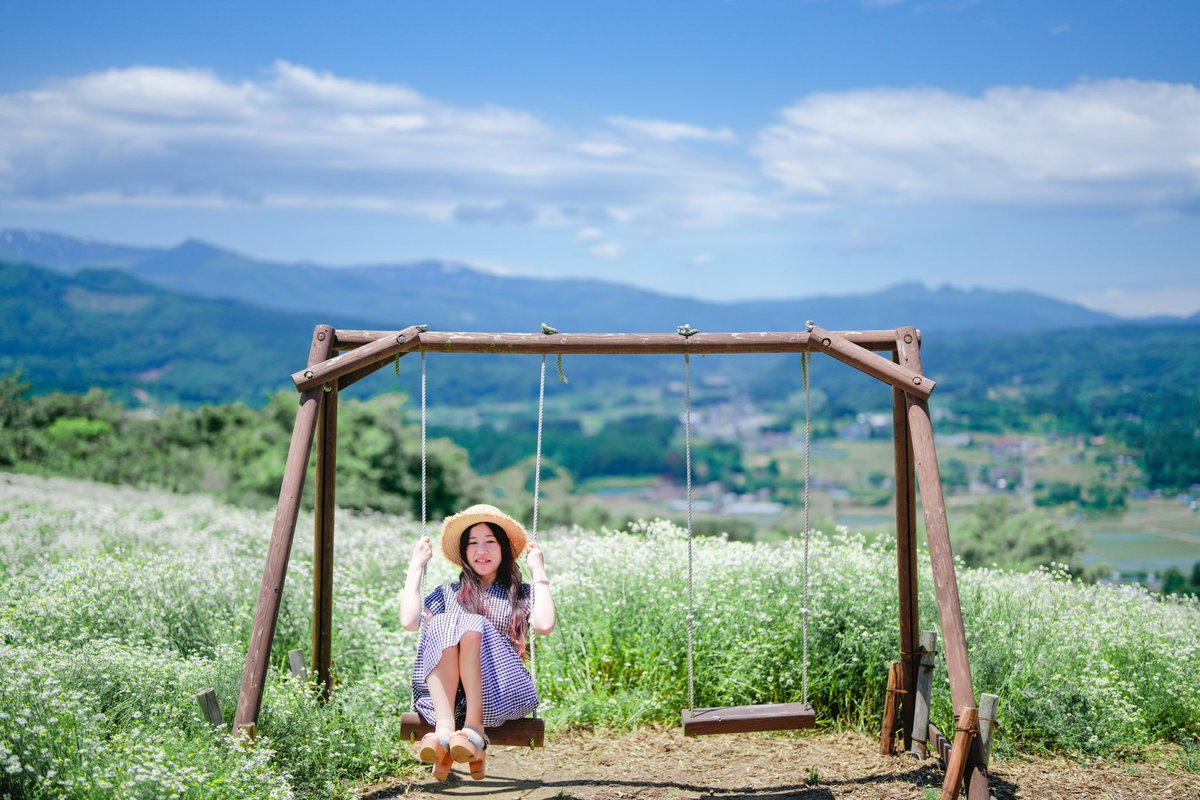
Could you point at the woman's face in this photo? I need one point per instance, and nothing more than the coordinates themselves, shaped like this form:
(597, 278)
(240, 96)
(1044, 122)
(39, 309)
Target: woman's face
(484, 552)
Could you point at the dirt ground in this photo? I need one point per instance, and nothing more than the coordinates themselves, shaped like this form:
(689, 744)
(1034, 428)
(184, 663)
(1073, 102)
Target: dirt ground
(660, 764)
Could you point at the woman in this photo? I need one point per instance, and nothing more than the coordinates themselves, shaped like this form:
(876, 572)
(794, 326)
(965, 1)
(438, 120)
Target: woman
(469, 672)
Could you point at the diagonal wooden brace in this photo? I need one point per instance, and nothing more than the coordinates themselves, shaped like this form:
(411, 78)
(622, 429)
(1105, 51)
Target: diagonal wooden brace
(906, 380)
(379, 350)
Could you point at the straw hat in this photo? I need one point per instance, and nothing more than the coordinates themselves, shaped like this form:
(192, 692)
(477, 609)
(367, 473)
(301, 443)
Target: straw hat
(453, 527)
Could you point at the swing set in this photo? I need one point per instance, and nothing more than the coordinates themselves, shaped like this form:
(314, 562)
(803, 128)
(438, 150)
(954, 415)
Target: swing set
(339, 358)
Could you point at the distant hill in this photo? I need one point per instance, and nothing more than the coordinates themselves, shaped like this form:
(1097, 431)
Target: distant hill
(450, 296)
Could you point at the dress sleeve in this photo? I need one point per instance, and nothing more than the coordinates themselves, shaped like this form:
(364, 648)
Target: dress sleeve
(435, 603)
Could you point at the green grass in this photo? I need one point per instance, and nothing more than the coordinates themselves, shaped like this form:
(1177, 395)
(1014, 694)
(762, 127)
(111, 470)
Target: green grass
(117, 606)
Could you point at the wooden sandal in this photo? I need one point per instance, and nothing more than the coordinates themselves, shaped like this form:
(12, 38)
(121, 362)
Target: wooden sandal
(470, 745)
(441, 770)
(431, 749)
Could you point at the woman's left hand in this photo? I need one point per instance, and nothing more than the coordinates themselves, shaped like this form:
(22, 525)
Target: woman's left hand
(535, 559)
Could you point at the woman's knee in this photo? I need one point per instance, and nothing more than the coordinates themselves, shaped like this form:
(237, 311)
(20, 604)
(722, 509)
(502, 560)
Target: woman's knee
(473, 638)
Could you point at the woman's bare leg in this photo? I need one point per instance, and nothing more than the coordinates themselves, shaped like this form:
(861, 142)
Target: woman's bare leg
(443, 686)
(470, 674)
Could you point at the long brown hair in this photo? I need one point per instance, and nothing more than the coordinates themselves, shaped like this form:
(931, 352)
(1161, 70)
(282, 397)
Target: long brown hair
(508, 576)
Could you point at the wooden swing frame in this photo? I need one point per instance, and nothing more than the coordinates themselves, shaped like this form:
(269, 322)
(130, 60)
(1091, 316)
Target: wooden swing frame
(339, 358)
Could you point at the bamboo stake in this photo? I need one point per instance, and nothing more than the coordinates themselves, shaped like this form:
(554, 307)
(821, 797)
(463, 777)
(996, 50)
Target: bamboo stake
(266, 613)
(959, 751)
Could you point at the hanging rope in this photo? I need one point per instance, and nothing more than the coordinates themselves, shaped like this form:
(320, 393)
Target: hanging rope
(537, 486)
(805, 362)
(424, 517)
(687, 331)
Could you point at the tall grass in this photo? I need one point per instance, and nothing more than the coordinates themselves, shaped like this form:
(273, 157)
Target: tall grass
(116, 606)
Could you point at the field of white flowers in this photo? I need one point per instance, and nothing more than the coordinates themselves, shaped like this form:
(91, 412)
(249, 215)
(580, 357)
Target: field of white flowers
(118, 605)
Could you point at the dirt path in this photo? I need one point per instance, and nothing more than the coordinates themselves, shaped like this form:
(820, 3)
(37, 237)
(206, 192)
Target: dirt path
(659, 764)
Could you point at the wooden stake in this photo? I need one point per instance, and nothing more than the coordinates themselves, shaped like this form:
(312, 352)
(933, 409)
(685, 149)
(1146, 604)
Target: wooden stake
(981, 752)
(296, 664)
(326, 481)
(924, 694)
(266, 612)
(959, 751)
(908, 355)
(891, 707)
(211, 708)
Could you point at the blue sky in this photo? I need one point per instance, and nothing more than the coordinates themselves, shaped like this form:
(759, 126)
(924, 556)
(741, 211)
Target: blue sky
(724, 150)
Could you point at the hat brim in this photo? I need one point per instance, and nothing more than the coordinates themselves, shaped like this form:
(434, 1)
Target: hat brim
(454, 526)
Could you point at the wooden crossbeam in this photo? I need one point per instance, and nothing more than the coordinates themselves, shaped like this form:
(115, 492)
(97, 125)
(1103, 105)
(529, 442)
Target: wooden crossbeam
(748, 719)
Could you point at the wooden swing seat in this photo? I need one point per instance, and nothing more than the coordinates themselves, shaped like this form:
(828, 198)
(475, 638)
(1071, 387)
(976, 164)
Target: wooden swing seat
(748, 719)
(527, 732)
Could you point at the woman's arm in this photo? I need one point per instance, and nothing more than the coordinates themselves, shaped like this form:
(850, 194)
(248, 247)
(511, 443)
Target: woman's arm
(411, 602)
(541, 620)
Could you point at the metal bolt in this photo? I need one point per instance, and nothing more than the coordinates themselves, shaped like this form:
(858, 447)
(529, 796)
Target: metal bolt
(916, 380)
(826, 342)
(563, 340)
(321, 336)
(328, 388)
(308, 373)
(908, 338)
(400, 339)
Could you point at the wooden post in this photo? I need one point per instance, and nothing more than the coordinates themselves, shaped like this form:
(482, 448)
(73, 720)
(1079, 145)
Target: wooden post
(924, 694)
(266, 612)
(326, 481)
(937, 531)
(296, 664)
(211, 708)
(891, 705)
(908, 355)
(977, 770)
(945, 582)
(957, 763)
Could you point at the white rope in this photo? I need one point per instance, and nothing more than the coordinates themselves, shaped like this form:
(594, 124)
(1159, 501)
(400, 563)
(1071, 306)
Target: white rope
(537, 490)
(424, 521)
(805, 363)
(687, 438)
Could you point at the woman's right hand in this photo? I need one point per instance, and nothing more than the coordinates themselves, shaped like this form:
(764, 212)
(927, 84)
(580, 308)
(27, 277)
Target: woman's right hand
(422, 552)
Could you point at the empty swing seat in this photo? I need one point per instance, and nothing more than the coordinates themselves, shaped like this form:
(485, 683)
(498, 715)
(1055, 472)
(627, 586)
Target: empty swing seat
(748, 719)
(527, 732)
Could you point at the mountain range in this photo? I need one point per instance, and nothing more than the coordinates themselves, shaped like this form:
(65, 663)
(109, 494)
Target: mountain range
(197, 323)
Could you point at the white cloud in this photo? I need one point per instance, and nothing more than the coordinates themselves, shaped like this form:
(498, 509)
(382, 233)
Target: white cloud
(296, 137)
(1117, 142)
(1179, 300)
(608, 250)
(589, 235)
(670, 131)
(702, 259)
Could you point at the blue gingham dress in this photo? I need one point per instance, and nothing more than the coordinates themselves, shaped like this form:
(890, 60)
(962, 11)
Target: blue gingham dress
(508, 690)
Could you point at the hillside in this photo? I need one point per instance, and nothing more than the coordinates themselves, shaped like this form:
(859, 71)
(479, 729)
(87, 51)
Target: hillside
(451, 296)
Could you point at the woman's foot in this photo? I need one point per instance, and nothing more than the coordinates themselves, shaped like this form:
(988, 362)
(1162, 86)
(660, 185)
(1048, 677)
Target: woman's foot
(470, 746)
